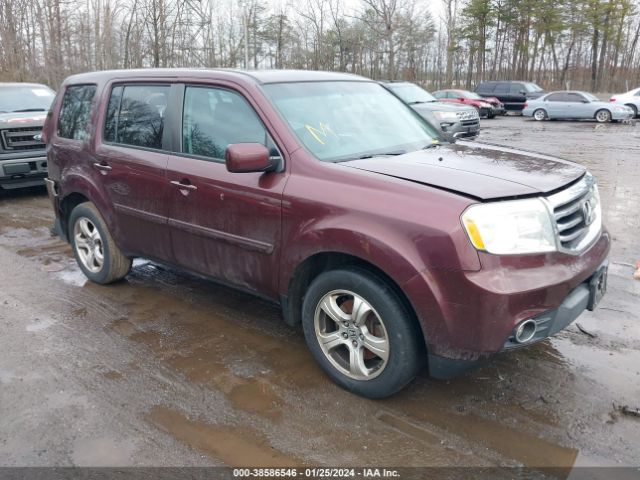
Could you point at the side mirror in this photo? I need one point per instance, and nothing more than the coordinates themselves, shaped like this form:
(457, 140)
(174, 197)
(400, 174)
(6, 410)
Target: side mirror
(248, 157)
(584, 100)
(523, 92)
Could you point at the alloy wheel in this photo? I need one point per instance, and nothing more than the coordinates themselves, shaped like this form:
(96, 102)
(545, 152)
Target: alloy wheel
(88, 244)
(351, 335)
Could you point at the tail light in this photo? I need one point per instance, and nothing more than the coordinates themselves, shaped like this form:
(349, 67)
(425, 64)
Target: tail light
(612, 99)
(526, 104)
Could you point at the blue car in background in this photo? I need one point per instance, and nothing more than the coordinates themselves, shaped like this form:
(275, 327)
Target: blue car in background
(575, 105)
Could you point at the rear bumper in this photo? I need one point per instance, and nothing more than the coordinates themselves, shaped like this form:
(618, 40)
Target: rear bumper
(22, 172)
(548, 323)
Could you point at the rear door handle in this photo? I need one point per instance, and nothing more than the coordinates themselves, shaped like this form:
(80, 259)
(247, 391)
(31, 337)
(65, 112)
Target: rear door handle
(103, 167)
(183, 186)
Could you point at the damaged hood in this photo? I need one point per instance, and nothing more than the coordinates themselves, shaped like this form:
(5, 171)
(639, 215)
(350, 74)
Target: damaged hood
(478, 170)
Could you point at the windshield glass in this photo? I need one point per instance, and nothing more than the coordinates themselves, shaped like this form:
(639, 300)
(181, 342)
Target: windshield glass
(532, 87)
(590, 97)
(411, 93)
(347, 120)
(25, 98)
(472, 95)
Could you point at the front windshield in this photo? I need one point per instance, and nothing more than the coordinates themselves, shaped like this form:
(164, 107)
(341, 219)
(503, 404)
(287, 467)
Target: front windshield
(411, 93)
(27, 98)
(532, 87)
(348, 120)
(590, 97)
(471, 95)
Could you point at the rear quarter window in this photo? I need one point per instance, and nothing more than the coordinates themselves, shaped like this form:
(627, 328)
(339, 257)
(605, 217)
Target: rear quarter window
(75, 111)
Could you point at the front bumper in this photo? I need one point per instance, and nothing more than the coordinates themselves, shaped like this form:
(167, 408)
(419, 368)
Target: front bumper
(22, 172)
(547, 324)
(462, 129)
(621, 115)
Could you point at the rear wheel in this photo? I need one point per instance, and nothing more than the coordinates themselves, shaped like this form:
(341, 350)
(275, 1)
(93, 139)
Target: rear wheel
(98, 256)
(603, 116)
(361, 333)
(540, 114)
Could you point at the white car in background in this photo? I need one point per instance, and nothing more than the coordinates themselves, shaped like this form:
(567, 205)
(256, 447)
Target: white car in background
(631, 99)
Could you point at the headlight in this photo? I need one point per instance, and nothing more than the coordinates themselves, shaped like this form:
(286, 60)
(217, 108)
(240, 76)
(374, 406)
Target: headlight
(485, 105)
(510, 227)
(446, 115)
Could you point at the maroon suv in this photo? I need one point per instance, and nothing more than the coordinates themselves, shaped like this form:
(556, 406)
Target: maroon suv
(325, 193)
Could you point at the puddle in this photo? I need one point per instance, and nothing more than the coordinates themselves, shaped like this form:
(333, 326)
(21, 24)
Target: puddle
(234, 446)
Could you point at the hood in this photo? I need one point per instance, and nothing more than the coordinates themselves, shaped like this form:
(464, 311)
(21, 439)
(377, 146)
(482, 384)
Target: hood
(22, 119)
(440, 107)
(477, 170)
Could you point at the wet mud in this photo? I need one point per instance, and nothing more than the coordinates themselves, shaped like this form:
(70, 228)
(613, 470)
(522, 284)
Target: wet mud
(213, 376)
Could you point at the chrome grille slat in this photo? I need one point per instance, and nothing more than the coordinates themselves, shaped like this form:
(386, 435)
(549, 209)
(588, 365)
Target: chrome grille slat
(562, 226)
(571, 236)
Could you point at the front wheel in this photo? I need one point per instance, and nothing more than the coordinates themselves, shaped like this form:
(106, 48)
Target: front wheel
(603, 116)
(361, 333)
(540, 115)
(97, 254)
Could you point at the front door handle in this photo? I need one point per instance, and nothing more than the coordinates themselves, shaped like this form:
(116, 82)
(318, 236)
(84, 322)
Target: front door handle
(103, 167)
(183, 186)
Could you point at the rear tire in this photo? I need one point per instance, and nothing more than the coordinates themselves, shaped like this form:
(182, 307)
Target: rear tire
(540, 114)
(361, 332)
(603, 116)
(97, 254)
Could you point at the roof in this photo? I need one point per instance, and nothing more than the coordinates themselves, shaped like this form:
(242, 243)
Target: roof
(257, 76)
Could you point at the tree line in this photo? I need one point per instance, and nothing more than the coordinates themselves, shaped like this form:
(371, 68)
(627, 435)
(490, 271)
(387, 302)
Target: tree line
(581, 44)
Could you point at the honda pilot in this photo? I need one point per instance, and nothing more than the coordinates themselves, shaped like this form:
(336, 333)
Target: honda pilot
(324, 192)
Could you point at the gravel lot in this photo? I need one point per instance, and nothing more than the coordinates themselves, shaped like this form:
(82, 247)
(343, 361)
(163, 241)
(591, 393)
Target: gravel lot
(165, 369)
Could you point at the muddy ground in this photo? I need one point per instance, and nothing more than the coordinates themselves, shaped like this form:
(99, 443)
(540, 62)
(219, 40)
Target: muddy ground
(165, 369)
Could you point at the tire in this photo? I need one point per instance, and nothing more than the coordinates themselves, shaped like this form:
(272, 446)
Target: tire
(540, 114)
(97, 254)
(603, 116)
(634, 108)
(385, 324)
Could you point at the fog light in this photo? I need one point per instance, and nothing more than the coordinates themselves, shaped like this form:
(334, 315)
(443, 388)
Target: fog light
(525, 331)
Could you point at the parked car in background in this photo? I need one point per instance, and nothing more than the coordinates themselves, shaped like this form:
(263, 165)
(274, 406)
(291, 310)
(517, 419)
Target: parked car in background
(576, 105)
(487, 107)
(325, 193)
(23, 109)
(513, 94)
(456, 120)
(631, 99)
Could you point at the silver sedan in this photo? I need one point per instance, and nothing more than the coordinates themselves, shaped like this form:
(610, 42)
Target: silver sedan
(576, 106)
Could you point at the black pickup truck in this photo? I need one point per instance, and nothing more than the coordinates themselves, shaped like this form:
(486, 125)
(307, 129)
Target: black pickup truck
(23, 109)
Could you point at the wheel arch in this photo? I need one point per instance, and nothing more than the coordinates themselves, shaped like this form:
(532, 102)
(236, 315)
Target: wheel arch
(319, 262)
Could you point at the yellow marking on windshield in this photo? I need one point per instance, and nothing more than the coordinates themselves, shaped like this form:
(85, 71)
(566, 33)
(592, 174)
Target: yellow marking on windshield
(323, 131)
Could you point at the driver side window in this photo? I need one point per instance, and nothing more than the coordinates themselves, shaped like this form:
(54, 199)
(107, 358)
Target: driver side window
(215, 118)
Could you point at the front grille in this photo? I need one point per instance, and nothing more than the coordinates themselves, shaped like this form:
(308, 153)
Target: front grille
(21, 138)
(577, 215)
(471, 123)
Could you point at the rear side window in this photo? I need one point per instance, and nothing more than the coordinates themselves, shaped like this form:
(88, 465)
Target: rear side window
(501, 88)
(135, 115)
(214, 119)
(517, 88)
(75, 111)
(555, 97)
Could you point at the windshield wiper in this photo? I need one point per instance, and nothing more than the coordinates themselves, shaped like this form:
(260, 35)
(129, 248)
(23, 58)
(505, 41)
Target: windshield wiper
(30, 110)
(420, 101)
(385, 154)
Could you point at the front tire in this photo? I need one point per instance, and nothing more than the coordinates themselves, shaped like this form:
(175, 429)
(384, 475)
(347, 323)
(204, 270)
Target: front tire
(361, 332)
(540, 115)
(603, 116)
(97, 254)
